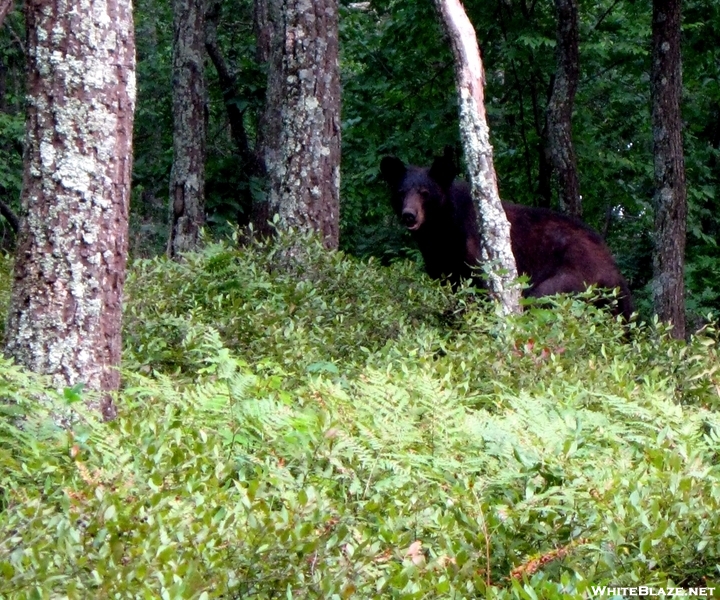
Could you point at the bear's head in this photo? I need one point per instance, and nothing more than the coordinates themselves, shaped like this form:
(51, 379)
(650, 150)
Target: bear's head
(419, 194)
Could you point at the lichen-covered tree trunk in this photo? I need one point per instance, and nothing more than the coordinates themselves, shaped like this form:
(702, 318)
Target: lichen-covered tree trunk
(187, 177)
(66, 306)
(559, 148)
(302, 125)
(493, 224)
(670, 197)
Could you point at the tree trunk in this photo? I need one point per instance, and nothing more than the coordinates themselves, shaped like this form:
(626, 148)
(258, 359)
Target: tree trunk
(270, 122)
(492, 223)
(559, 149)
(187, 177)
(228, 82)
(302, 133)
(66, 305)
(670, 197)
(5, 7)
(263, 30)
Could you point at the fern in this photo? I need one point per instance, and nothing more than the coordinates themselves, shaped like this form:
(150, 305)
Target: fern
(344, 429)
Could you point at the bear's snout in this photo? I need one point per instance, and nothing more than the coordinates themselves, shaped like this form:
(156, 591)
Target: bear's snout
(408, 218)
(413, 213)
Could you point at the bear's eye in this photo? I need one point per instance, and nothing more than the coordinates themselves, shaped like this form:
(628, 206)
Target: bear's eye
(424, 193)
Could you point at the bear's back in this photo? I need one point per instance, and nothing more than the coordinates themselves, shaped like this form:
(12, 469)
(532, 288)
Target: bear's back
(544, 242)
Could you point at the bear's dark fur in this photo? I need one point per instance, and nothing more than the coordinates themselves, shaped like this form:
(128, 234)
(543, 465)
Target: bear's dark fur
(559, 254)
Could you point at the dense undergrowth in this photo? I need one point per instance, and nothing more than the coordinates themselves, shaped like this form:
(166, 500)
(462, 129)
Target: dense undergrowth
(346, 430)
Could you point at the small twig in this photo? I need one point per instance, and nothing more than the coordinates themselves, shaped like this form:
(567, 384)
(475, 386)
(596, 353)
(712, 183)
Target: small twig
(531, 567)
(17, 39)
(487, 547)
(605, 14)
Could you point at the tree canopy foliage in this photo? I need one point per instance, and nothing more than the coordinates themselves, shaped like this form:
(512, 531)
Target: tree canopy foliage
(398, 98)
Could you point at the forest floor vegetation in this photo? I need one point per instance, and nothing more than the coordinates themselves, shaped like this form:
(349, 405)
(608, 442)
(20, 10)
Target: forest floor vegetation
(340, 429)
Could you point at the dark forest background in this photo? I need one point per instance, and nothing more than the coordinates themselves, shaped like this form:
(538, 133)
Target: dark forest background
(399, 98)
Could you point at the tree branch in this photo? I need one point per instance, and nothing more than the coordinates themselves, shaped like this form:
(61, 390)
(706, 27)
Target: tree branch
(605, 14)
(10, 216)
(228, 84)
(5, 7)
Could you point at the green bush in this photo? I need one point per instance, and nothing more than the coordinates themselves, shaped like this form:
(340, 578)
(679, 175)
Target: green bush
(339, 429)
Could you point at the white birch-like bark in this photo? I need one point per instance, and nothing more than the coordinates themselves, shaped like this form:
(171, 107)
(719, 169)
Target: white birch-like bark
(492, 223)
(66, 305)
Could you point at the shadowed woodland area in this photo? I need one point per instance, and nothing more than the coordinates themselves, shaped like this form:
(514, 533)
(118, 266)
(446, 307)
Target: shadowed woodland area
(398, 98)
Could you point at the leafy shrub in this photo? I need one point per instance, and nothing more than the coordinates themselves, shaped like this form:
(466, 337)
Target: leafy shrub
(344, 430)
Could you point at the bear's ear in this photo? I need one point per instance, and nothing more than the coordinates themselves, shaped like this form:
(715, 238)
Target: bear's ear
(443, 169)
(393, 171)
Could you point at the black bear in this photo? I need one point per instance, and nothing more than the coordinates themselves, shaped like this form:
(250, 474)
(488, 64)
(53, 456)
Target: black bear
(558, 254)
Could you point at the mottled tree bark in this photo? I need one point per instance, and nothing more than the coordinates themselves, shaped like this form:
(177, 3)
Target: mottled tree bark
(559, 148)
(670, 197)
(66, 305)
(263, 30)
(302, 125)
(187, 177)
(270, 119)
(492, 223)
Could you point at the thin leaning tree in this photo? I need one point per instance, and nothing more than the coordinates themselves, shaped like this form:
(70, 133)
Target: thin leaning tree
(66, 305)
(492, 223)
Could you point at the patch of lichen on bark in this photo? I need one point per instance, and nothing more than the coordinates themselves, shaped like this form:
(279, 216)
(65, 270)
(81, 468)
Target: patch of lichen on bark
(493, 224)
(64, 318)
(304, 165)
